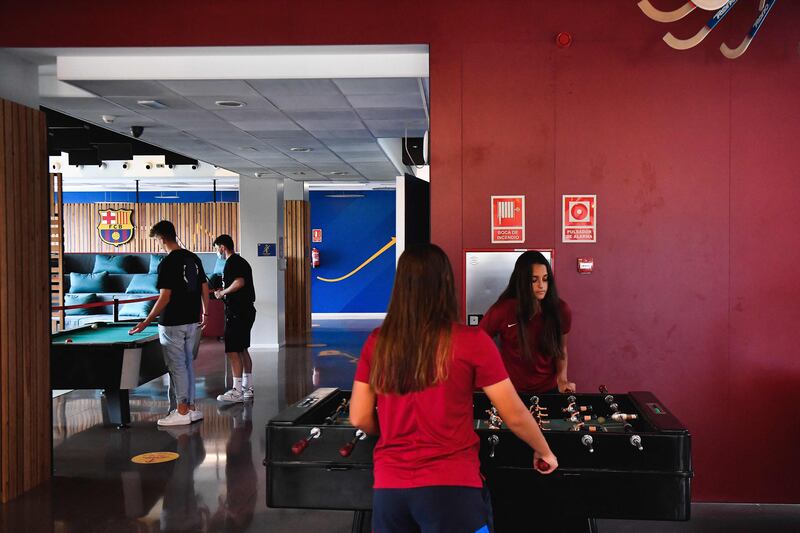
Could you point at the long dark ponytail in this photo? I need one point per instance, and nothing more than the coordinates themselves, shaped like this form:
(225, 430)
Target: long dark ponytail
(519, 288)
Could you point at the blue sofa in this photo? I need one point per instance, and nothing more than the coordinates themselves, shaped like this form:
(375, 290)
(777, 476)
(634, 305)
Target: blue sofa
(121, 272)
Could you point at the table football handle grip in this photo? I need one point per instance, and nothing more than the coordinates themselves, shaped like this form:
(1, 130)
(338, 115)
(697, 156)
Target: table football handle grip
(299, 446)
(347, 449)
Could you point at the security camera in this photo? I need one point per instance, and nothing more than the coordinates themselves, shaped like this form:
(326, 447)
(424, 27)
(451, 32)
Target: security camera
(124, 165)
(137, 131)
(171, 166)
(194, 167)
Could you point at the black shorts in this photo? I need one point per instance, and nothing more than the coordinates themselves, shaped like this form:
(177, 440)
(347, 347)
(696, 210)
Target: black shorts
(238, 323)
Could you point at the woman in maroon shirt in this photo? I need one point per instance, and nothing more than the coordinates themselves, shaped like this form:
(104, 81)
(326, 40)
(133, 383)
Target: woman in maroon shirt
(532, 323)
(420, 369)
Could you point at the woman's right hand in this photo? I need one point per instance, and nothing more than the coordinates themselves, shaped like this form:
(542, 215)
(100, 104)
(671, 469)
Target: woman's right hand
(549, 458)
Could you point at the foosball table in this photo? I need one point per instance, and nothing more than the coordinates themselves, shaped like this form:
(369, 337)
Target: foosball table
(621, 456)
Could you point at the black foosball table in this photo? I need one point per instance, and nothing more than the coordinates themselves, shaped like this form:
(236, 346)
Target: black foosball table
(621, 456)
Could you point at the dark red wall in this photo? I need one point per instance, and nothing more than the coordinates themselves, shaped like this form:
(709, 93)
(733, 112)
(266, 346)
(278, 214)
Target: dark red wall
(695, 160)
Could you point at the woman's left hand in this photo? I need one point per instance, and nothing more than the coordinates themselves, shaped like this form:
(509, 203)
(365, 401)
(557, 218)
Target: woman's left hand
(566, 386)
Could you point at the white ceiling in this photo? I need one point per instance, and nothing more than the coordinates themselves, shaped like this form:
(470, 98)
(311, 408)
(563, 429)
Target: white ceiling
(338, 119)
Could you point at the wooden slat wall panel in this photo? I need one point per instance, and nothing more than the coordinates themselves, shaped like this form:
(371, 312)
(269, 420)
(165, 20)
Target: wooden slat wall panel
(25, 432)
(297, 229)
(56, 196)
(196, 224)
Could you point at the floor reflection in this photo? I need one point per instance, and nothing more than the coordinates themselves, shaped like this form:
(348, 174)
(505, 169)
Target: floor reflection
(218, 481)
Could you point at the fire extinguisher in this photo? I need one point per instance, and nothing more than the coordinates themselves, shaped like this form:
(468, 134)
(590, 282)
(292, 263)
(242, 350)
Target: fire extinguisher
(314, 258)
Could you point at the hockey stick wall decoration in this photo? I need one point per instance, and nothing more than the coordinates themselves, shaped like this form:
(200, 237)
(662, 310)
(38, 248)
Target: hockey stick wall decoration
(685, 44)
(665, 16)
(733, 53)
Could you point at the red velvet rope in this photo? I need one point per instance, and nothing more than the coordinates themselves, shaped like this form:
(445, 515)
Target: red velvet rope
(103, 304)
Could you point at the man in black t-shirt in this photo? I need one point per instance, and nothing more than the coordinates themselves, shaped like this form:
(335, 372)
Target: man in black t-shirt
(240, 314)
(181, 309)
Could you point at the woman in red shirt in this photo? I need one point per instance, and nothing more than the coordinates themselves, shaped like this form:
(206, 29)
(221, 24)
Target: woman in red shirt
(532, 323)
(420, 369)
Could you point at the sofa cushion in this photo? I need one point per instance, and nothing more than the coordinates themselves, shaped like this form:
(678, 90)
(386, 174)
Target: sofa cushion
(142, 284)
(155, 260)
(80, 299)
(137, 309)
(95, 282)
(113, 264)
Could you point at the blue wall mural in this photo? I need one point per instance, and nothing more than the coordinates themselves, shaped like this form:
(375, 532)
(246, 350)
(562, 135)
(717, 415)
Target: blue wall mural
(354, 229)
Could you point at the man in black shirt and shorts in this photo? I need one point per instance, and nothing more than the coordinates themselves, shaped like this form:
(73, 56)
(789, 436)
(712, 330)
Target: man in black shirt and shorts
(240, 314)
(181, 309)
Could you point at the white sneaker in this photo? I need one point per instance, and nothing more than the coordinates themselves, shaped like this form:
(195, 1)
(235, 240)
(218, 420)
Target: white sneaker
(175, 419)
(232, 395)
(196, 415)
(247, 393)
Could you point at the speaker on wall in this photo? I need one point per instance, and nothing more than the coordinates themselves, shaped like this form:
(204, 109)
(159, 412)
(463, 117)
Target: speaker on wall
(413, 151)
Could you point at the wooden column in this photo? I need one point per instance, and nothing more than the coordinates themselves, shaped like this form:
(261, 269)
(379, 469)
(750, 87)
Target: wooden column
(297, 230)
(25, 399)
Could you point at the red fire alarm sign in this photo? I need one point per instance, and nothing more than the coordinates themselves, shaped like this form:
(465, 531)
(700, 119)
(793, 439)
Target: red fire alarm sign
(508, 219)
(316, 235)
(579, 218)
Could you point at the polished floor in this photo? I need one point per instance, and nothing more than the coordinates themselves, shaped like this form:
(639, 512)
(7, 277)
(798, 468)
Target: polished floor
(218, 483)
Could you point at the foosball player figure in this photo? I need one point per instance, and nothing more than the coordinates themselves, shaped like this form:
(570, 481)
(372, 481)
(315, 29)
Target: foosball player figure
(495, 422)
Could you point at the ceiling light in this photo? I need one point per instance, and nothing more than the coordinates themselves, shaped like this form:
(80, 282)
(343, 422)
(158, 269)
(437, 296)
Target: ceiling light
(163, 196)
(229, 103)
(152, 104)
(300, 149)
(338, 173)
(262, 174)
(343, 195)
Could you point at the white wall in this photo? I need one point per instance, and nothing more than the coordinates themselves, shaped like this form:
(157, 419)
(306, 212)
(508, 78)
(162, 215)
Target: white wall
(19, 80)
(294, 190)
(261, 221)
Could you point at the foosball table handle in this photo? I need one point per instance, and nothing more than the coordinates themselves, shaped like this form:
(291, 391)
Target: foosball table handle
(493, 441)
(302, 444)
(588, 441)
(636, 442)
(348, 448)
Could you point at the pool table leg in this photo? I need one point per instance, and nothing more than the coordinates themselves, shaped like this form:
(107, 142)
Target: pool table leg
(117, 409)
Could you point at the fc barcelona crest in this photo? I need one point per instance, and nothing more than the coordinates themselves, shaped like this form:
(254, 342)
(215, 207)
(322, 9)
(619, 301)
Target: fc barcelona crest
(116, 226)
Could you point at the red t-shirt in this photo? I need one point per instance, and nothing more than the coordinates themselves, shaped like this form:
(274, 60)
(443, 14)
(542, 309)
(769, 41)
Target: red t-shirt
(426, 437)
(537, 374)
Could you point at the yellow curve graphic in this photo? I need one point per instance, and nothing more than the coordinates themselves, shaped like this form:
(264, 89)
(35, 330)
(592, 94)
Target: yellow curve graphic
(365, 263)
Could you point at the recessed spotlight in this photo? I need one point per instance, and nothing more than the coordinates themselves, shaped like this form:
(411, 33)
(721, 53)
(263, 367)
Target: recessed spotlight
(300, 149)
(301, 173)
(152, 104)
(262, 174)
(229, 103)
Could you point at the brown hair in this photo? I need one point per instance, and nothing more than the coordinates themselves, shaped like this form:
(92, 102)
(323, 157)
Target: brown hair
(415, 341)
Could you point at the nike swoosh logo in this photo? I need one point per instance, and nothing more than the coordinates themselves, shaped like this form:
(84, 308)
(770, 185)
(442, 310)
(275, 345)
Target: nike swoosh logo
(511, 325)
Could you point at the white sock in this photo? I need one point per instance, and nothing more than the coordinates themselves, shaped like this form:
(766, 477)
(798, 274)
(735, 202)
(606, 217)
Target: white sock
(237, 384)
(246, 379)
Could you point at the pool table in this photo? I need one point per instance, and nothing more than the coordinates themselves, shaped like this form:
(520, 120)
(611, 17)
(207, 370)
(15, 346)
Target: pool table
(106, 357)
